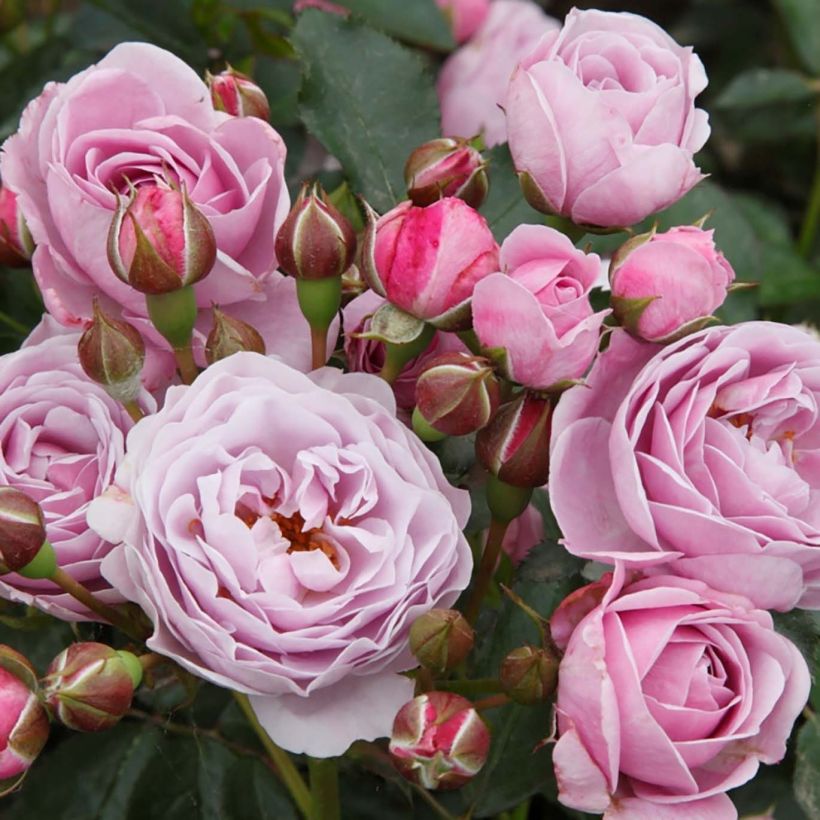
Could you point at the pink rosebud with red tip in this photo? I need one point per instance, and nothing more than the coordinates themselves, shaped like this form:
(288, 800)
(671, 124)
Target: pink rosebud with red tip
(230, 335)
(465, 16)
(16, 244)
(665, 285)
(529, 674)
(236, 94)
(439, 741)
(22, 529)
(159, 241)
(446, 167)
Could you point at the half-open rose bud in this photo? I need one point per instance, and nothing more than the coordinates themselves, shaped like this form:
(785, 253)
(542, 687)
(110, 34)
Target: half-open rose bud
(235, 93)
(439, 740)
(441, 639)
(16, 244)
(230, 335)
(22, 529)
(529, 674)
(446, 167)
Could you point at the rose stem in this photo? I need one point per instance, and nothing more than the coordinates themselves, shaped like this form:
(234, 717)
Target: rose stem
(468, 687)
(280, 759)
(491, 702)
(324, 787)
(133, 410)
(486, 569)
(186, 364)
(808, 229)
(318, 346)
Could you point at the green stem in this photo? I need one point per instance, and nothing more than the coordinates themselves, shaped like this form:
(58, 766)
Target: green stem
(13, 324)
(396, 356)
(280, 758)
(491, 702)
(468, 687)
(324, 788)
(186, 364)
(133, 410)
(811, 219)
(318, 346)
(486, 569)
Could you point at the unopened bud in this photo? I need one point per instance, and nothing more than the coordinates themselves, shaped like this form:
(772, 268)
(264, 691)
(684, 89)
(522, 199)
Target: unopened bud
(230, 335)
(457, 393)
(439, 741)
(236, 94)
(89, 686)
(529, 675)
(315, 240)
(514, 446)
(353, 284)
(159, 241)
(16, 244)
(22, 530)
(441, 639)
(112, 354)
(446, 167)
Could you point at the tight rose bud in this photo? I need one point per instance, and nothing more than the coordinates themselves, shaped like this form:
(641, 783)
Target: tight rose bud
(457, 393)
(529, 675)
(24, 723)
(236, 94)
(229, 336)
(441, 639)
(446, 167)
(514, 446)
(665, 285)
(89, 686)
(315, 240)
(439, 741)
(159, 241)
(22, 530)
(112, 354)
(16, 245)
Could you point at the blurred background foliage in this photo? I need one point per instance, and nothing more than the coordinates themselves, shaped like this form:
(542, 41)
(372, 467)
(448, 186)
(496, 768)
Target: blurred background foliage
(364, 90)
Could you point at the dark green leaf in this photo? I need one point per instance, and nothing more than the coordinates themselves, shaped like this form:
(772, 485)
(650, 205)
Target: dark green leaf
(417, 21)
(807, 768)
(760, 87)
(506, 207)
(787, 277)
(368, 100)
(802, 19)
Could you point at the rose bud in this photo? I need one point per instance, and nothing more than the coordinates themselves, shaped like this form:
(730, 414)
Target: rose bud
(439, 741)
(24, 723)
(446, 167)
(514, 446)
(426, 261)
(465, 16)
(159, 241)
(22, 530)
(16, 245)
(457, 393)
(315, 240)
(229, 336)
(112, 354)
(236, 94)
(529, 675)
(89, 686)
(666, 285)
(441, 639)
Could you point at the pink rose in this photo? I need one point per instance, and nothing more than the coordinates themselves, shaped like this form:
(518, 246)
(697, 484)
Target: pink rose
(367, 355)
(537, 314)
(465, 16)
(602, 120)
(473, 81)
(75, 152)
(15, 240)
(427, 261)
(704, 455)
(61, 439)
(282, 536)
(681, 271)
(322, 5)
(670, 694)
(523, 534)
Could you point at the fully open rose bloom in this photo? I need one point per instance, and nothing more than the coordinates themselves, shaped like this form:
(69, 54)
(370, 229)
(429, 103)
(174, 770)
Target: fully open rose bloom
(282, 537)
(669, 694)
(76, 151)
(705, 455)
(61, 439)
(601, 118)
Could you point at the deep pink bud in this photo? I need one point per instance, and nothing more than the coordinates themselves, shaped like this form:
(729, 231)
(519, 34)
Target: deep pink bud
(236, 94)
(575, 607)
(457, 393)
(323, 5)
(89, 686)
(446, 167)
(24, 723)
(665, 285)
(230, 335)
(112, 354)
(514, 446)
(315, 240)
(22, 529)
(529, 675)
(441, 639)
(16, 245)
(465, 16)
(439, 740)
(159, 241)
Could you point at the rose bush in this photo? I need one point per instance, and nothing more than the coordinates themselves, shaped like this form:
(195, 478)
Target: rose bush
(282, 536)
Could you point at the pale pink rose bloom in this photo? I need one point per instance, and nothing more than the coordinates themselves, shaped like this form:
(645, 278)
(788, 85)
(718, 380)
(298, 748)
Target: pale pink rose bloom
(465, 16)
(523, 534)
(282, 533)
(601, 115)
(75, 151)
(704, 454)
(538, 311)
(682, 270)
(669, 695)
(61, 440)
(473, 81)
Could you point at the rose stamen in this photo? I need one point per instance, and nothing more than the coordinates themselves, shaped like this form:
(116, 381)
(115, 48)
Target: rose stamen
(301, 540)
